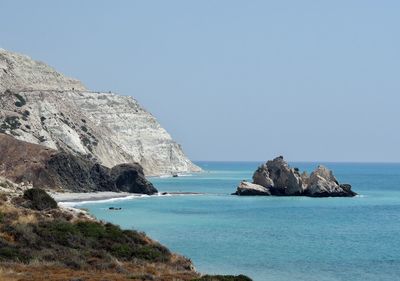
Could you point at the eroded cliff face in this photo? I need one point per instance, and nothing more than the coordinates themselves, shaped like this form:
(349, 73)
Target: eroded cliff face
(41, 106)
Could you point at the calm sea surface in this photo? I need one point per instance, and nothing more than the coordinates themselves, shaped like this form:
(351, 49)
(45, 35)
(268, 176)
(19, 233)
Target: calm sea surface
(274, 238)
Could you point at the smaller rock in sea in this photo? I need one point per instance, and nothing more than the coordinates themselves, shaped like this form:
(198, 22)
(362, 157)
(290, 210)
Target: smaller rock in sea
(246, 189)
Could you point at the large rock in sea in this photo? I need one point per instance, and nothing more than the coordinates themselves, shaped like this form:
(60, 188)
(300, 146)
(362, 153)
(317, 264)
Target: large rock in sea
(280, 179)
(247, 189)
(42, 167)
(41, 106)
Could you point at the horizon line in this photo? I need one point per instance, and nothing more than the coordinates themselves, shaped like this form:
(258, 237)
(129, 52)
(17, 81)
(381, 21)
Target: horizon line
(302, 161)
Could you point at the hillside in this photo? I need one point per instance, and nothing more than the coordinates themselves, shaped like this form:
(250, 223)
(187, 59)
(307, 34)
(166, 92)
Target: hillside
(39, 239)
(63, 244)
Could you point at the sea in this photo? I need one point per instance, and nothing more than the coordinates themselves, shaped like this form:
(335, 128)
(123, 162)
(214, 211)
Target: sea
(273, 238)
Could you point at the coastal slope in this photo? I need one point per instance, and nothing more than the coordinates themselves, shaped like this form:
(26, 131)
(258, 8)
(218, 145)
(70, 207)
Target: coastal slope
(39, 238)
(39, 105)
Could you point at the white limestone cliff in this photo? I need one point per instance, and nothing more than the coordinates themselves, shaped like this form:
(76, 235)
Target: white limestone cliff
(41, 106)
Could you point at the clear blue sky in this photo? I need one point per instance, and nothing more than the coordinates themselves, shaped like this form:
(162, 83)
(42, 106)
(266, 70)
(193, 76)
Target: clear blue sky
(234, 80)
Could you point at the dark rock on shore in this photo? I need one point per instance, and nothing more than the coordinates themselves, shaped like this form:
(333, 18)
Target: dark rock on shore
(130, 178)
(278, 178)
(74, 173)
(46, 168)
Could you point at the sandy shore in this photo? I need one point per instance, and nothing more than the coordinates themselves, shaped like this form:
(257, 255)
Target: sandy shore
(89, 196)
(106, 195)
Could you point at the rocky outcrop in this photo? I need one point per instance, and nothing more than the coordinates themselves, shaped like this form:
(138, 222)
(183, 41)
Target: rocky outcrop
(250, 189)
(322, 183)
(41, 106)
(277, 178)
(262, 177)
(42, 167)
(130, 178)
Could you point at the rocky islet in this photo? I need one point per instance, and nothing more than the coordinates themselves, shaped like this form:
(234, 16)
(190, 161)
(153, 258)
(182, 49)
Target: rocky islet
(276, 177)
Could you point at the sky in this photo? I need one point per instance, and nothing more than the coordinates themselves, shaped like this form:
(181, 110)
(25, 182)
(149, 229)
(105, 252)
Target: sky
(234, 80)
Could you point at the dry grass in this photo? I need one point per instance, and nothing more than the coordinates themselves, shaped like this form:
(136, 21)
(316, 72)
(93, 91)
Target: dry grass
(7, 237)
(40, 272)
(22, 216)
(8, 275)
(7, 208)
(26, 219)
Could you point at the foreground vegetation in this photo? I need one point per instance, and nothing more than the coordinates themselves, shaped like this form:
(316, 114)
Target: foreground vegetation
(39, 241)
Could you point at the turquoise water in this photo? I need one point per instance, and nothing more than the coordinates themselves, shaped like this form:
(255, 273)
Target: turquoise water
(275, 238)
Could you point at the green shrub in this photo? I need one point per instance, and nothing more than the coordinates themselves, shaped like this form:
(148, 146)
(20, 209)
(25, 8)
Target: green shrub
(11, 123)
(156, 253)
(114, 232)
(81, 244)
(25, 115)
(122, 251)
(9, 253)
(39, 199)
(91, 229)
(21, 101)
(136, 237)
(6, 184)
(58, 233)
(1, 217)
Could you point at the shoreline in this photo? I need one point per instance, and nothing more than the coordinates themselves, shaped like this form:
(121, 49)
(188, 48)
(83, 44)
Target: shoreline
(74, 198)
(87, 196)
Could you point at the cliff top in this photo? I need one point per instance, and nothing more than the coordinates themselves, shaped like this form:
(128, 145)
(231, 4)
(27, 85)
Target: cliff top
(20, 72)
